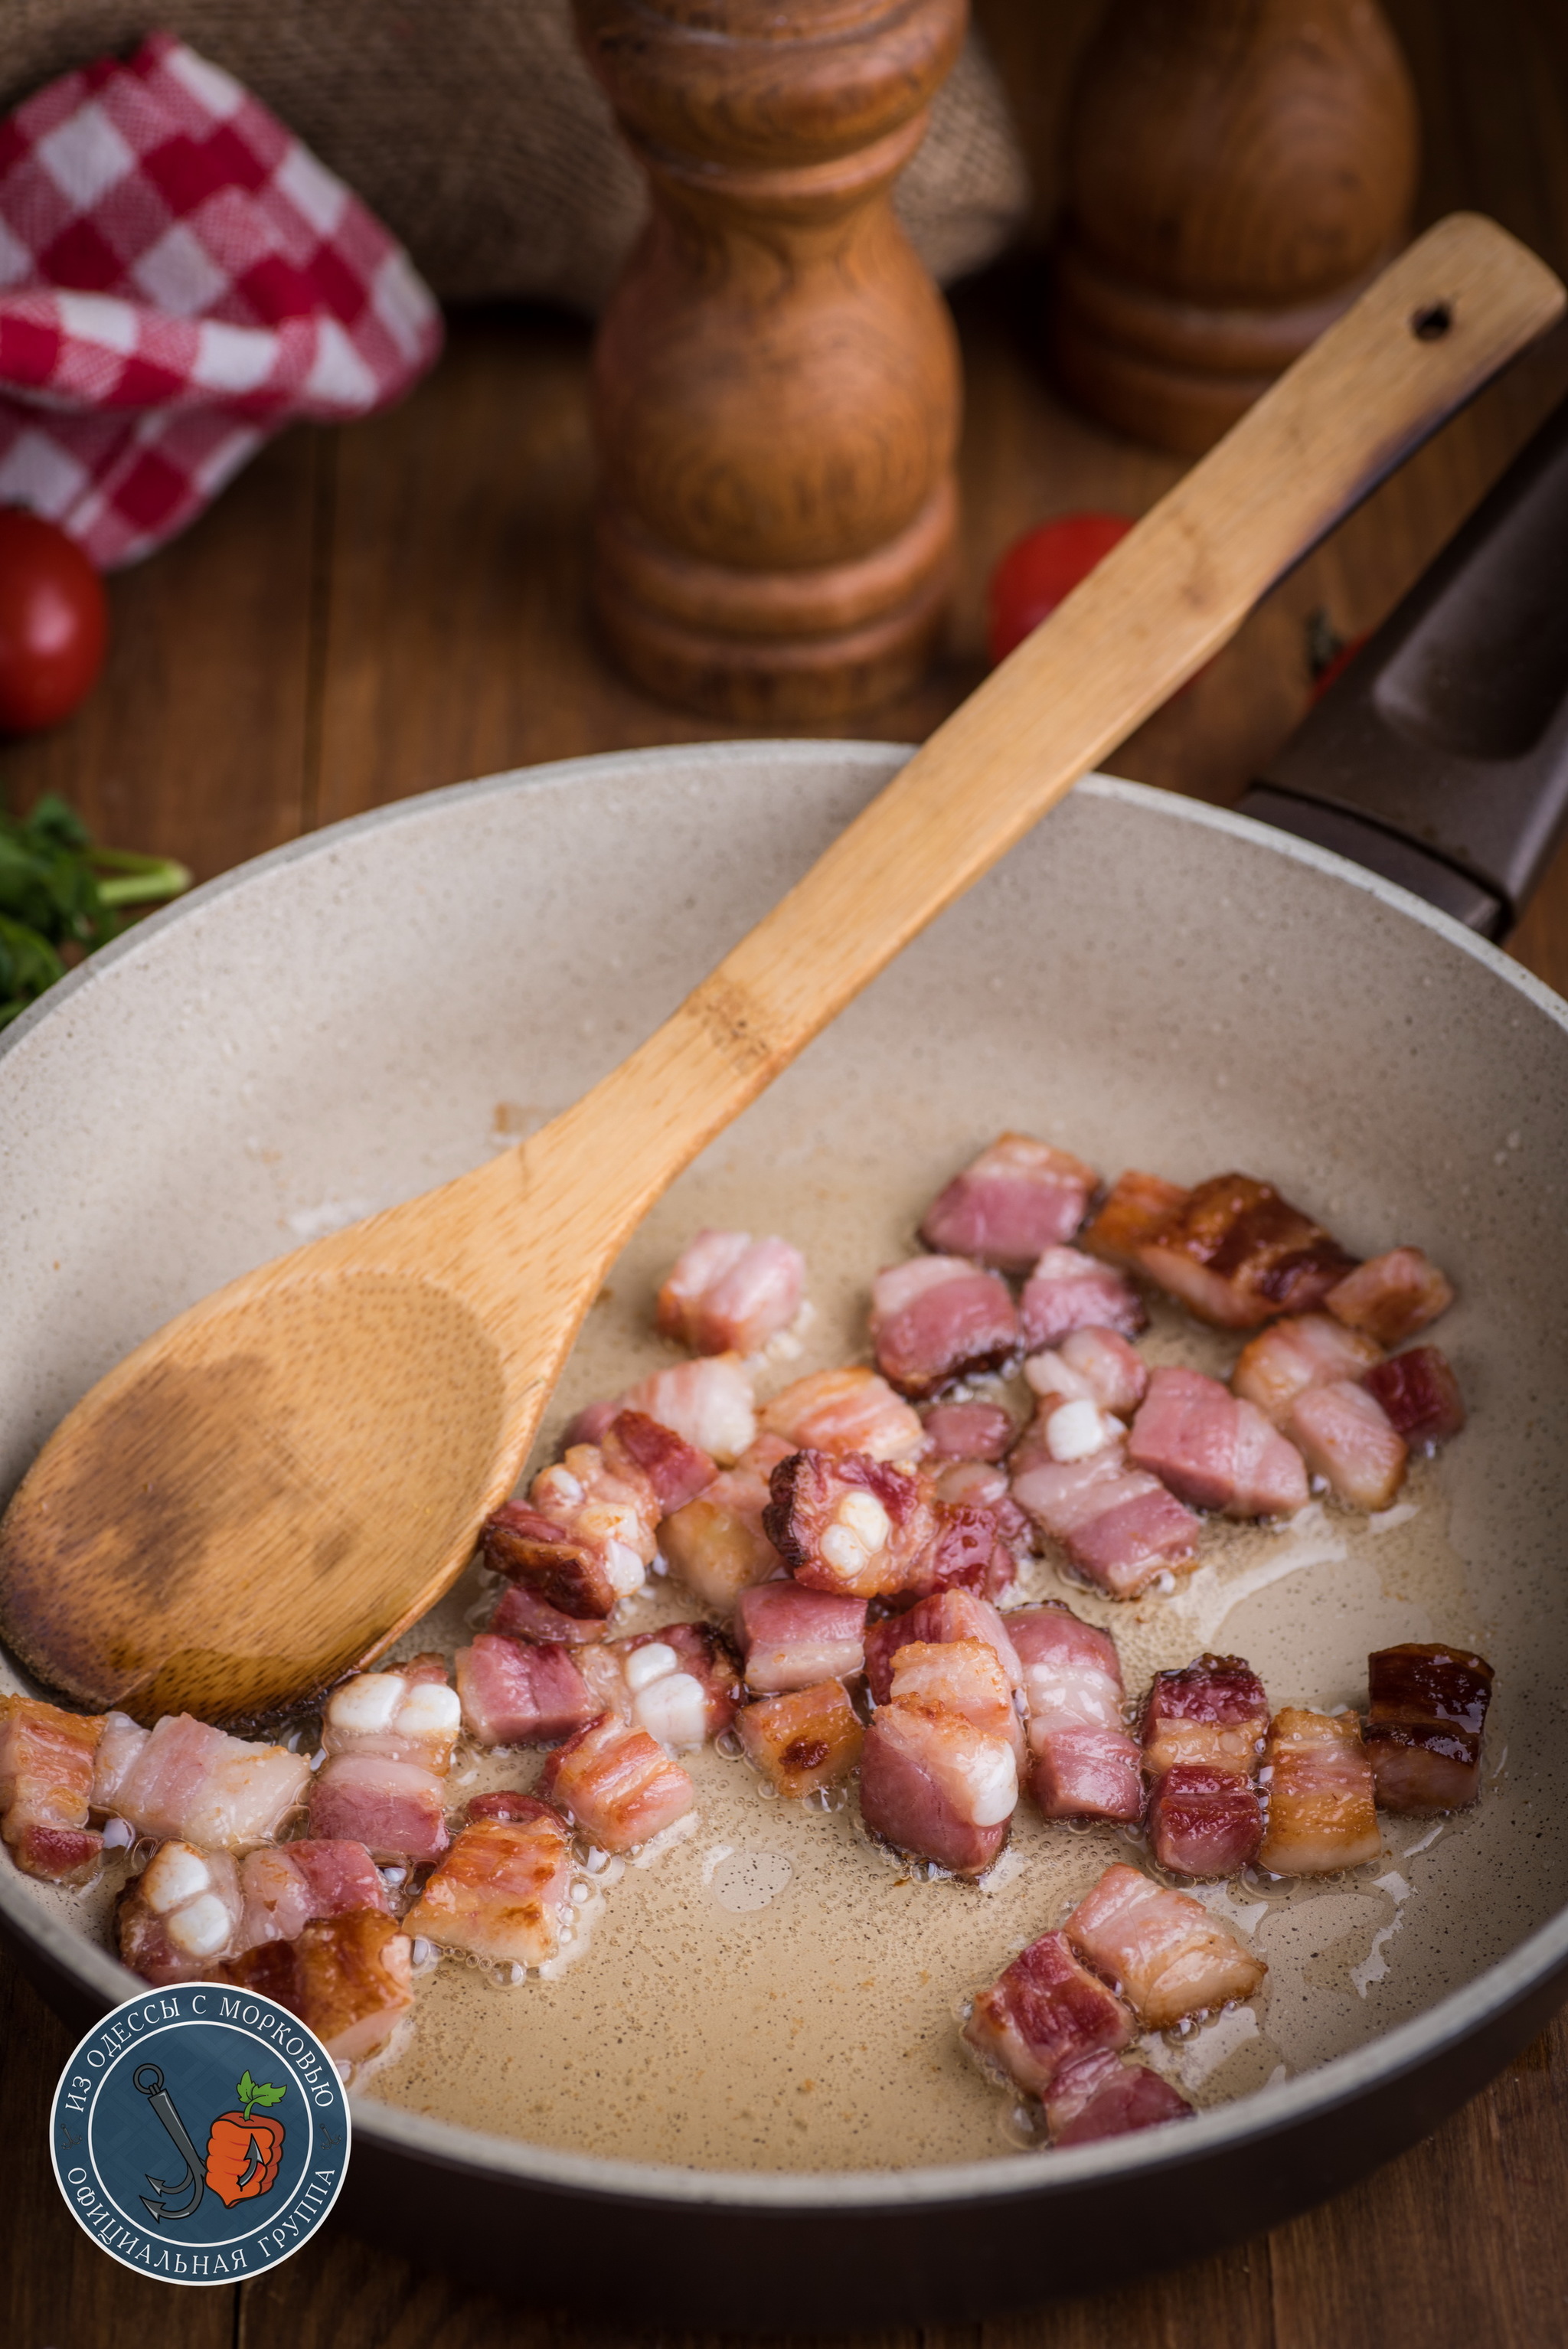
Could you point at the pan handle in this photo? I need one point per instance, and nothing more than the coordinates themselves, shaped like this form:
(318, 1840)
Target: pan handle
(1439, 758)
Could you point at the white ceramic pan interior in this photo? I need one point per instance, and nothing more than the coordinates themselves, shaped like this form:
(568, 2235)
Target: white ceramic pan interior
(768, 2014)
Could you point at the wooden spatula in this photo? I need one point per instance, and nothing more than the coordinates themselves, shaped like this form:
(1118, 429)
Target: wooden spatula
(273, 1486)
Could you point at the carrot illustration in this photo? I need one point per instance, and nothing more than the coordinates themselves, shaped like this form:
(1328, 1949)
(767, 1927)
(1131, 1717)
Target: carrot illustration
(242, 2150)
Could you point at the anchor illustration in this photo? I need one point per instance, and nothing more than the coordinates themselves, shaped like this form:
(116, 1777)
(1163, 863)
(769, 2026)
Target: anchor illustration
(148, 2080)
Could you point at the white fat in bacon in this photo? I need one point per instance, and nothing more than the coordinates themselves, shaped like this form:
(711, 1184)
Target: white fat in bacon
(504, 1890)
(183, 1779)
(1391, 1296)
(1214, 1450)
(1304, 1350)
(1321, 1812)
(1161, 1950)
(682, 1685)
(1091, 1365)
(1069, 1290)
(614, 1512)
(1085, 1764)
(619, 1785)
(1346, 1436)
(709, 1401)
(348, 1978)
(935, 1787)
(852, 1410)
(935, 1319)
(843, 1522)
(181, 1915)
(728, 1293)
(404, 1715)
(1118, 1525)
(47, 1757)
(389, 1739)
(1018, 1198)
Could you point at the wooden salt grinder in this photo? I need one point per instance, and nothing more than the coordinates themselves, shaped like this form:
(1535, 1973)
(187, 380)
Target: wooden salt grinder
(1236, 172)
(776, 391)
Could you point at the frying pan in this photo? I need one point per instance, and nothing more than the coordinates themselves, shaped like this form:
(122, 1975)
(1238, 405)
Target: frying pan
(1148, 981)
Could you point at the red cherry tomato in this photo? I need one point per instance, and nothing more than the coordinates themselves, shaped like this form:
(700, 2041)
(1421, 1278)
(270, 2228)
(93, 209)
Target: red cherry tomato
(54, 622)
(1040, 570)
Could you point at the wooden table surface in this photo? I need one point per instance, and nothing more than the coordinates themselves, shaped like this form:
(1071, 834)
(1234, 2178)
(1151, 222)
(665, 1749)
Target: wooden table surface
(383, 610)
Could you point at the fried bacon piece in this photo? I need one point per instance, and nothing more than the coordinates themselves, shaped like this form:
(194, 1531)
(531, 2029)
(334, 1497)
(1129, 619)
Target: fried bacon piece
(936, 1318)
(717, 1544)
(619, 1785)
(1216, 1451)
(935, 1787)
(852, 1410)
(1391, 1296)
(947, 1615)
(520, 1615)
(1322, 1814)
(567, 1574)
(182, 1778)
(846, 1523)
(808, 1738)
(1091, 1365)
(348, 1978)
(728, 1293)
(633, 1443)
(1134, 1209)
(1203, 1729)
(967, 1677)
(604, 1515)
(709, 1401)
(1118, 1525)
(682, 1685)
(1345, 1436)
(1103, 2097)
(968, 1550)
(1303, 1350)
(1161, 1950)
(284, 1885)
(504, 1889)
(978, 1484)
(1086, 1766)
(792, 1637)
(181, 1915)
(515, 1692)
(969, 1431)
(1419, 1396)
(1018, 1198)
(1045, 2014)
(1425, 1723)
(389, 1739)
(1067, 1290)
(46, 1759)
(1237, 1254)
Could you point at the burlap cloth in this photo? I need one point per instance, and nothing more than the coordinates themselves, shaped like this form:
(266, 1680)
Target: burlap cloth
(475, 130)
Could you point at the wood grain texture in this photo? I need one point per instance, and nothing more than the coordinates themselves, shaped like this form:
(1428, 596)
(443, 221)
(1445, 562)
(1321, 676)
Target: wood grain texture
(776, 387)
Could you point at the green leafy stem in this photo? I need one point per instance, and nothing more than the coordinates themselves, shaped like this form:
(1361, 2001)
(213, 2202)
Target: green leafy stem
(250, 2093)
(60, 896)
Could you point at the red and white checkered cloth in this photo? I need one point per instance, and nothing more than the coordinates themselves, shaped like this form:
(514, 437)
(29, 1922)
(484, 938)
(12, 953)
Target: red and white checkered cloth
(178, 277)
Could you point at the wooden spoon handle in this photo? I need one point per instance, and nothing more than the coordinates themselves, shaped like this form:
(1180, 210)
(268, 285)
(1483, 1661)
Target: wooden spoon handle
(1424, 337)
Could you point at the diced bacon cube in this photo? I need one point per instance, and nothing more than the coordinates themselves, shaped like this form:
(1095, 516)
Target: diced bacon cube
(396, 1810)
(976, 1485)
(1069, 1290)
(516, 1694)
(619, 1785)
(1216, 1451)
(1203, 1822)
(792, 1637)
(1102, 2096)
(1086, 1766)
(520, 1615)
(966, 1551)
(608, 1512)
(947, 1615)
(728, 1293)
(1016, 1199)
(1303, 1351)
(284, 1885)
(1237, 1254)
(502, 1892)
(682, 1685)
(47, 1757)
(967, 1677)
(188, 1780)
(1425, 1725)
(969, 1431)
(1321, 1813)
(1345, 1436)
(1042, 2015)
(347, 1977)
(716, 1544)
(808, 1738)
(936, 1318)
(1418, 1395)
(710, 1402)
(846, 1523)
(119, 1745)
(1212, 1711)
(569, 1575)
(1391, 1296)
(399, 1716)
(1118, 1525)
(676, 1470)
(1134, 1209)
(852, 1410)
(181, 1915)
(933, 1785)
(1091, 1365)
(1161, 1950)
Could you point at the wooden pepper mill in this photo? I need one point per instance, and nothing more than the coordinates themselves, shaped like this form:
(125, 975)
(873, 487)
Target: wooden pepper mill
(1237, 170)
(776, 389)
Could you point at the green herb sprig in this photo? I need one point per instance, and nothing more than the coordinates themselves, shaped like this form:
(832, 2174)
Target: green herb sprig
(251, 2094)
(60, 896)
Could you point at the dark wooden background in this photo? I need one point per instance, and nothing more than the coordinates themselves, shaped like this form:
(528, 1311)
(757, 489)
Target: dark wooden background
(384, 609)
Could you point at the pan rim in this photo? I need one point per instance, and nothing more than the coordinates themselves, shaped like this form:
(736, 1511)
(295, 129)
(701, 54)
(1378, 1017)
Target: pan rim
(1225, 2128)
